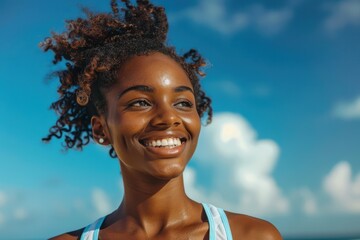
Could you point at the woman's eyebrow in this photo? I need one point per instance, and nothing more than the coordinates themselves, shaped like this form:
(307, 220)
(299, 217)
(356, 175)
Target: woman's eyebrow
(183, 88)
(141, 88)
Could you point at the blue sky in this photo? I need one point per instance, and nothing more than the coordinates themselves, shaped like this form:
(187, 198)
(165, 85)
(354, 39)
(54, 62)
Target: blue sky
(284, 144)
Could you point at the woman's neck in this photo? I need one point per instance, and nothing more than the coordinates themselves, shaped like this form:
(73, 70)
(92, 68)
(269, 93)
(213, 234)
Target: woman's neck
(155, 203)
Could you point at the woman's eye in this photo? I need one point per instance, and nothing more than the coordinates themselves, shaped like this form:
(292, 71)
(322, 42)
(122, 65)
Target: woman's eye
(184, 104)
(139, 104)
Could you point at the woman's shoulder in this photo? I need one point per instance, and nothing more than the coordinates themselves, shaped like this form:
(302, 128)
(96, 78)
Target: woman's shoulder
(74, 235)
(247, 227)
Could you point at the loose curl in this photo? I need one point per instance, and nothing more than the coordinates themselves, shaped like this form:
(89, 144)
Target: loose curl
(93, 49)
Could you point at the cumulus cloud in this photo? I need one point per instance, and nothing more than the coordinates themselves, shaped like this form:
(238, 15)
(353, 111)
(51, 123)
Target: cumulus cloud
(3, 198)
(270, 21)
(2, 219)
(215, 15)
(342, 14)
(343, 189)
(307, 200)
(11, 210)
(3, 201)
(237, 168)
(20, 214)
(100, 201)
(348, 110)
(262, 91)
(227, 87)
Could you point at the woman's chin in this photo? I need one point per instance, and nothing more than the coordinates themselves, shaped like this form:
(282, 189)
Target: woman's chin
(168, 172)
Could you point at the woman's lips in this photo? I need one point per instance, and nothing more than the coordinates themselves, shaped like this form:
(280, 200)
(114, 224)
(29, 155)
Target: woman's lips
(164, 147)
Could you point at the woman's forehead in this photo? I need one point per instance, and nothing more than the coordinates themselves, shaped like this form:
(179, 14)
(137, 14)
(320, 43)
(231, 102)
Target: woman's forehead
(154, 69)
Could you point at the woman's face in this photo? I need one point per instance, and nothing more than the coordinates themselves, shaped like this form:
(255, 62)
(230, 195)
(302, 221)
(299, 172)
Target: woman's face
(152, 119)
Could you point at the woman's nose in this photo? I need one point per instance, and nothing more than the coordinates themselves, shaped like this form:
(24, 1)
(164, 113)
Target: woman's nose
(165, 117)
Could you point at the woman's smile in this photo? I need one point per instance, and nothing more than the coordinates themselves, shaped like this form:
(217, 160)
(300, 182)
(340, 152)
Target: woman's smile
(165, 146)
(163, 143)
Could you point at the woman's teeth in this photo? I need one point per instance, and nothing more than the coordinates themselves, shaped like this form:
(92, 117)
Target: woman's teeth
(166, 142)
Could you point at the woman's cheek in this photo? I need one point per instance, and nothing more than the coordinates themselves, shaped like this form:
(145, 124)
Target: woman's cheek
(131, 126)
(193, 124)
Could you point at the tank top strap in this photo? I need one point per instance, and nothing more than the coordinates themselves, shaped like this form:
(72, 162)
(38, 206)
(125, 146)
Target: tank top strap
(91, 232)
(219, 228)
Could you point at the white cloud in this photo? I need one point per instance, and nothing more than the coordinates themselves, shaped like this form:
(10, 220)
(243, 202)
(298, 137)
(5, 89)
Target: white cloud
(215, 15)
(12, 211)
(190, 182)
(262, 91)
(2, 219)
(309, 204)
(101, 201)
(270, 21)
(343, 190)
(348, 110)
(20, 214)
(3, 201)
(3, 198)
(238, 168)
(227, 87)
(343, 14)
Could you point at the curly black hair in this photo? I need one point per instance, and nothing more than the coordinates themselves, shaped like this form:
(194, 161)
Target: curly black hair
(94, 48)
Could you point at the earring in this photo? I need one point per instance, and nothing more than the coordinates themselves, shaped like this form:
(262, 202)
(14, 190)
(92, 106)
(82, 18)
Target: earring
(101, 140)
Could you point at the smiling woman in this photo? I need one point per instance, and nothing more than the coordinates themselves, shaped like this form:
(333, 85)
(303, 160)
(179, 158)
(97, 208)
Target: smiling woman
(124, 87)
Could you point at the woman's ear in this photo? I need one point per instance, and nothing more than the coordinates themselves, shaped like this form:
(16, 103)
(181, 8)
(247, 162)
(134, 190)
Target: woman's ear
(99, 130)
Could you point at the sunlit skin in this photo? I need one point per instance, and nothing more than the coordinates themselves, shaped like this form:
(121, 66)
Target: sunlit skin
(154, 103)
(153, 99)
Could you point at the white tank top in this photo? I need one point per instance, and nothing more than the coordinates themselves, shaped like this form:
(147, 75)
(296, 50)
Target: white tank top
(219, 228)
